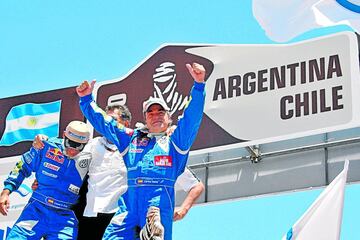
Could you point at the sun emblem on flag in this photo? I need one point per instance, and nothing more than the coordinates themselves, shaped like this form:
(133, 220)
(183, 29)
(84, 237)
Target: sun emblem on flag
(32, 122)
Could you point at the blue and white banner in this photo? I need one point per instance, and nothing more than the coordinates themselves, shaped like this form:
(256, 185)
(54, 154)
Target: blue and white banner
(283, 20)
(322, 221)
(25, 121)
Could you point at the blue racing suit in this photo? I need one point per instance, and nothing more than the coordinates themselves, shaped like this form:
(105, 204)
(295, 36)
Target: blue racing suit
(153, 161)
(48, 212)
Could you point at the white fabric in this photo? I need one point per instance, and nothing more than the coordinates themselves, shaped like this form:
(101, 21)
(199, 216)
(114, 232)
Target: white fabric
(322, 221)
(186, 181)
(283, 20)
(107, 178)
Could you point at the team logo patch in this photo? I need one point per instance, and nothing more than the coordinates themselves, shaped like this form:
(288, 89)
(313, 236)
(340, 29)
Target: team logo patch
(84, 163)
(74, 189)
(51, 166)
(163, 161)
(33, 152)
(55, 154)
(141, 142)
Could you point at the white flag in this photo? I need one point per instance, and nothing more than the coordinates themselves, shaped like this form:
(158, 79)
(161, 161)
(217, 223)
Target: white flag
(283, 20)
(322, 221)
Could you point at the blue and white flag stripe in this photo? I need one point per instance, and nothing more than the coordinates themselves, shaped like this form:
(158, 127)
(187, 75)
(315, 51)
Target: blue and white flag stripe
(28, 135)
(31, 122)
(25, 121)
(33, 109)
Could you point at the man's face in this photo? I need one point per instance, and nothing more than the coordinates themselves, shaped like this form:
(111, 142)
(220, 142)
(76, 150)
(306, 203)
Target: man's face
(116, 115)
(72, 148)
(157, 119)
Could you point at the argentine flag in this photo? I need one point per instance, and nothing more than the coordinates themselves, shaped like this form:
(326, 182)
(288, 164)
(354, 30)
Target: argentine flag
(25, 121)
(322, 221)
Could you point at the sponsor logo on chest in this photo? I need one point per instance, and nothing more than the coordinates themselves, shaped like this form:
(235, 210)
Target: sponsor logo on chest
(136, 150)
(140, 142)
(163, 161)
(51, 166)
(49, 174)
(55, 154)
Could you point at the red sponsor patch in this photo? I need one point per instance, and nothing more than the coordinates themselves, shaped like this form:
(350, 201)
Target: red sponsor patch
(163, 161)
(55, 154)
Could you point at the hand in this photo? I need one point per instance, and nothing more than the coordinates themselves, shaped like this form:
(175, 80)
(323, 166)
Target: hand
(34, 185)
(38, 141)
(85, 88)
(4, 202)
(179, 213)
(197, 71)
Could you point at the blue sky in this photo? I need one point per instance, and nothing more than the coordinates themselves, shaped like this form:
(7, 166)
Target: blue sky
(47, 45)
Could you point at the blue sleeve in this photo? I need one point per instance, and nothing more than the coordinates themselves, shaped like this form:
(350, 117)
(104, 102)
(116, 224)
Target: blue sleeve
(189, 123)
(104, 124)
(29, 163)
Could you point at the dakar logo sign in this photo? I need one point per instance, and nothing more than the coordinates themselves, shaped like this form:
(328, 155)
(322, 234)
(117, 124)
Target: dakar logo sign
(165, 87)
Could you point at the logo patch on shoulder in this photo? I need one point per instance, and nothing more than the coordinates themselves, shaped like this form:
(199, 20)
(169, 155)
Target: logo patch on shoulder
(163, 161)
(84, 163)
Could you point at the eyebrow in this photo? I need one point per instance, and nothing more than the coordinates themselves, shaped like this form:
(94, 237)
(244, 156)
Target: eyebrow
(159, 110)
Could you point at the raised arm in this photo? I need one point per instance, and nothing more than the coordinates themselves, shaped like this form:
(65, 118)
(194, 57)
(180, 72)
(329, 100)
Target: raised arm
(189, 123)
(104, 124)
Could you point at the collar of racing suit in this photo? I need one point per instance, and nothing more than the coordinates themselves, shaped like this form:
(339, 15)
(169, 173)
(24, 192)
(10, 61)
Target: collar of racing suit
(143, 129)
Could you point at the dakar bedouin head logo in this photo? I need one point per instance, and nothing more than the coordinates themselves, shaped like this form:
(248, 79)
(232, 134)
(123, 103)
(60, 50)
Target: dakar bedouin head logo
(165, 87)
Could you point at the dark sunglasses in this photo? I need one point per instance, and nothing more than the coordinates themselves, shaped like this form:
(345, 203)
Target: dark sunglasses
(72, 144)
(123, 117)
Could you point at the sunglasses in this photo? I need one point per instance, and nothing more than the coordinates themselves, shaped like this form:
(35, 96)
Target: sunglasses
(122, 116)
(72, 144)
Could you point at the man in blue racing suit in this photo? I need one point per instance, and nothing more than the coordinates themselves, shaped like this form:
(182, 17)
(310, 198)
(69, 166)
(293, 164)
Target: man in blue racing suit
(153, 159)
(60, 168)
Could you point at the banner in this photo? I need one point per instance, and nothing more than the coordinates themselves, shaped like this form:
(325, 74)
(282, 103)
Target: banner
(322, 221)
(255, 93)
